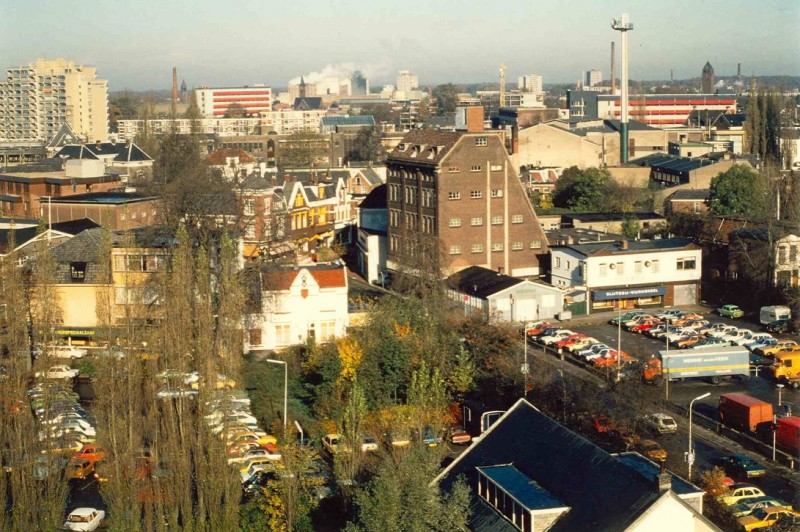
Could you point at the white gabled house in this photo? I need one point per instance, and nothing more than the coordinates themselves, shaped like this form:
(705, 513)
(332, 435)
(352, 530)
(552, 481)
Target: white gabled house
(298, 305)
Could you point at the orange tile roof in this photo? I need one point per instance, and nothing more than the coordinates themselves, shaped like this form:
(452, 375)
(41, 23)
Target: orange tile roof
(325, 278)
(219, 157)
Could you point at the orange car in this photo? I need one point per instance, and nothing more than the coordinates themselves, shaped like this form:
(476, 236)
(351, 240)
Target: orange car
(91, 452)
(79, 468)
(615, 358)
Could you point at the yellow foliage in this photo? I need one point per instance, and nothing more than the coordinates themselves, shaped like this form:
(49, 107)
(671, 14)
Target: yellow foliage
(351, 353)
(401, 330)
(272, 506)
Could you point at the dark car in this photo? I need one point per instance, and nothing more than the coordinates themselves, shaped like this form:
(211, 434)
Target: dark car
(779, 326)
(741, 466)
(758, 360)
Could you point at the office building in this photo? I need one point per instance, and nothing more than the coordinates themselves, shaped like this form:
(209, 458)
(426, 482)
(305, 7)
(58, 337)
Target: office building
(36, 99)
(530, 83)
(406, 81)
(592, 78)
(214, 103)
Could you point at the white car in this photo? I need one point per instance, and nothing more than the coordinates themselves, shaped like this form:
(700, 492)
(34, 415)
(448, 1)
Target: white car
(600, 353)
(63, 417)
(84, 519)
(556, 336)
(73, 426)
(735, 336)
(712, 328)
(751, 337)
(66, 351)
(58, 372)
(668, 314)
(592, 349)
(675, 335)
(175, 393)
(661, 422)
(249, 455)
(722, 331)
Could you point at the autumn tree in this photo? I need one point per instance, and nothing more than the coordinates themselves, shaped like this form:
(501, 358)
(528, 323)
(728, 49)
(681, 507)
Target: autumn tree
(235, 110)
(446, 97)
(302, 150)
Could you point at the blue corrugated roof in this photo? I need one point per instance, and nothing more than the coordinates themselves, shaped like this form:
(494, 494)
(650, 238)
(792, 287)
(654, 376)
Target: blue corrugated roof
(359, 120)
(526, 491)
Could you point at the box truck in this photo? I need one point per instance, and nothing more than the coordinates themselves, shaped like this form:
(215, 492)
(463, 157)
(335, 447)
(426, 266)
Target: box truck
(786, 368)
(743, 412)
(774, 313)
(710, 364)
(788, 435)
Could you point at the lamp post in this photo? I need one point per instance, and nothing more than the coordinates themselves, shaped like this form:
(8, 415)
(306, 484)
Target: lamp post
(285, 389)
(528, 327)
(300, 430)
(619, 338)
(775, 421)
(690, 454)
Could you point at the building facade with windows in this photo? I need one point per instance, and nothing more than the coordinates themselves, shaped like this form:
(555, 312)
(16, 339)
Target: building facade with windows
(623, 274)
(455, 197)
(298, 305)
(214, 103)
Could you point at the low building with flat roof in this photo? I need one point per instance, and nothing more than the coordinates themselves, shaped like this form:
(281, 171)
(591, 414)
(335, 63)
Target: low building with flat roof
(112, 210)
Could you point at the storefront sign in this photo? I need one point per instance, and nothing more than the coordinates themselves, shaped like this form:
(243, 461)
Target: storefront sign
(629, 293)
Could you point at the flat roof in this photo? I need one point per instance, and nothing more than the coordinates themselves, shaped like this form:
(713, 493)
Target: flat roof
(524, 489)
(104, 198)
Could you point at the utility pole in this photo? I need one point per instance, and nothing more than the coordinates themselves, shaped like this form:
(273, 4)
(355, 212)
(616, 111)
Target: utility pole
(623, 26)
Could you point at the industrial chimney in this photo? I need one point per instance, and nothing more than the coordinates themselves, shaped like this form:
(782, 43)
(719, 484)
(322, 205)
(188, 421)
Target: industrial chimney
(613, 70)
(174, 90)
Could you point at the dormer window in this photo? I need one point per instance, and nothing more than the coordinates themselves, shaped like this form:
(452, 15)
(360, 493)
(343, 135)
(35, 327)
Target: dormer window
(401, 147)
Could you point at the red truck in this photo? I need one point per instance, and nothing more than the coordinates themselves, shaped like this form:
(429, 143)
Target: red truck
(788, 436)
(743, 412)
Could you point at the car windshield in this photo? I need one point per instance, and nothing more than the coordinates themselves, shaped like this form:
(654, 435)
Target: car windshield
(79, 518)
(668, 421)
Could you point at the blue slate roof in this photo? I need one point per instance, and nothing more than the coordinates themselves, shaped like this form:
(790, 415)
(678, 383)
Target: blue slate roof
(526, 491)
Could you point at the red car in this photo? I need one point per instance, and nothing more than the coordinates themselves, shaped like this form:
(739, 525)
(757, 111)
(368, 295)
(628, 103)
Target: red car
(571, 339)
(601, 423)
(90, 452)
(613, 359)
(645, 325)
(538, 328)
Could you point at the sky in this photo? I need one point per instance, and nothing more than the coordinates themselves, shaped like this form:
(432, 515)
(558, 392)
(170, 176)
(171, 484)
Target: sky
(135, 43)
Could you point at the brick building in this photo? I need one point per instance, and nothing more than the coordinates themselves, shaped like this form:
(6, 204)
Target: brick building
(458, 193)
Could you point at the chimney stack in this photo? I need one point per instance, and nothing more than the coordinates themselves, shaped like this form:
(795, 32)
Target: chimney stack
(613, 70)
(623, 245)
(174, 89)
(663, 480)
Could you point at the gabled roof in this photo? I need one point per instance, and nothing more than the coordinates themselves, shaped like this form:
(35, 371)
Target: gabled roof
(603, 492)
(376, 199)
(83, 247)
(121, 152)
(26, 234)
(425, 146)
(220, 156)
(308, 103)
(369, 174)
(325, 276)
(64, 135)
(481, 282)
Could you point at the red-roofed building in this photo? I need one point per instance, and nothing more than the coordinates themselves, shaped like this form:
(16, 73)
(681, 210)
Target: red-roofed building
(308, 303)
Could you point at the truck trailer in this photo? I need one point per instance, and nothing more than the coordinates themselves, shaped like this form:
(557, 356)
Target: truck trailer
(743, 412)
(788, 436)
(710, 364)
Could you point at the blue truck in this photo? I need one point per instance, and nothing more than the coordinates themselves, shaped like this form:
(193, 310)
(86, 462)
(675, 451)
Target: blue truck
(710, 364)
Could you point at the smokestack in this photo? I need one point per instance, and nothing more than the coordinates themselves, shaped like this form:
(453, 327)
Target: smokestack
(671, 77)
(613, 70)
(174, 89)
(738, 70)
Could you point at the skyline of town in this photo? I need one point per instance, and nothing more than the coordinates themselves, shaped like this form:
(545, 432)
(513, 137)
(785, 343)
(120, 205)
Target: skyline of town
(273, 48)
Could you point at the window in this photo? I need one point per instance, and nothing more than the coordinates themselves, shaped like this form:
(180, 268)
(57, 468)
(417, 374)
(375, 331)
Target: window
(793, 253)
(249, 207)
(478, 220)
(516, 246)
(569, 265)
(497, 246)
(687, 264)
(250, 232)
(637, 267)
(475, 194)
(255, 337)
(496, 167)
(620, 268)
(497, 192)
(327, 330)
(783, 255)
(516, 219)
(603, 269)
(656, 266)
(77, 272)
(455, 250)
(476, 248)
(454, 195)
(452, 169)
(558, 262)
(283, 334)
(536, 244)
(497, 220)
(481, 141)
(475, 168)
(455, 222)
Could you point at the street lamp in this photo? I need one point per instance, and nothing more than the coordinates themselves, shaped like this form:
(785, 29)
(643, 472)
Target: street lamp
(690, 454)
(525, 369)
(619, 338)
(775, 421)
(285, 389)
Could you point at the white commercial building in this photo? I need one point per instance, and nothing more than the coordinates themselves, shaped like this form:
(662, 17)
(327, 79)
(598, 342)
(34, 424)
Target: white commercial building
(592, 78)
(304, 304)
(530, 83)
(629, 273)
(214, 103)
(35, 100)
(406, 81)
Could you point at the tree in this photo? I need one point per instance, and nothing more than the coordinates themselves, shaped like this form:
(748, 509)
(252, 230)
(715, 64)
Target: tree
(446, 97)
(235, 110)
(582, 190)
(301, 150)
(736, 191)
(368, 145)
(424, 110)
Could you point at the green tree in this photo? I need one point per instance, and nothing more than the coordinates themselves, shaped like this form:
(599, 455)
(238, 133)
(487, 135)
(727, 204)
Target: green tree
(736, 191)
(630, 227)
(235, 110)
(368, 143)
(424, 110)
(582, 190)
(446, 97)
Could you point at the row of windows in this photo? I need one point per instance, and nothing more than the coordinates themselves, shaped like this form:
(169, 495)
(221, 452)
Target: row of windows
(478, 220)
(474, 194)
(496, 246)
(787, 254)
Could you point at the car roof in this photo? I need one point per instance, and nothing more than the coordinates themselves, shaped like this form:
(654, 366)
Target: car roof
(743, 485)
(83, 511)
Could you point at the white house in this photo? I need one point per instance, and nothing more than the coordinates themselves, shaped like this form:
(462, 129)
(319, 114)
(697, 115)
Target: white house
(787, 261)
(371, 241)
(299, 305)
(630, 273)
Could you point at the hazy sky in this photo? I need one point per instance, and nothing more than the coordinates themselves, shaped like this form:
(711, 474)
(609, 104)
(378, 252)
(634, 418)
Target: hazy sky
(135, 43)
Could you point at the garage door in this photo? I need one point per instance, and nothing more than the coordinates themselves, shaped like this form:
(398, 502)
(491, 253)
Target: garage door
(685, 294)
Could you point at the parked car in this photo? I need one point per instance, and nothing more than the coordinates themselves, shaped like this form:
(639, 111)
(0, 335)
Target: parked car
(583, 343)
(688, 340)
(627, 324)
(741, 492)
(592, 349)
(645, 325)
(397, 438)
(779, 326)
(695, 324)
(730, 311)
(58, 372)
(66, 351)
(91, 452)
(79, 468)
(723, 331)
(747, 507)
(538, 327)
(335, 444)
(651, 449)
(430, 437)
(734, 337)
(779, 345)
(175, 393)
(84, 519)
(458, 436)
(768, 517)
(626, 316)
(662, 423)
(667, 314)
(763, 343)
(612, 358)
(368, 443)
(689, 317)
(741, 466)
(753, 338)
(560, 334)
(711, 342)
(655, 330)
(568, 341)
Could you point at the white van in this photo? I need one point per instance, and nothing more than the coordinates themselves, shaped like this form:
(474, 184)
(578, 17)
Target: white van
(774, 313)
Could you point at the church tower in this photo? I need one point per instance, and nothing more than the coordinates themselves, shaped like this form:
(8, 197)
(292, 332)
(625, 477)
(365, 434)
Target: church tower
(707, 84)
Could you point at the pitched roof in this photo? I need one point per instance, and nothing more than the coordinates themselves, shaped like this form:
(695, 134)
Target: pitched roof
(602, 491)
(369, 174)
(425, 146)
(220, 156)
(325, 276)
(308, 103)
(22, 235)
(330, 123)
(376, 199)
(83, 247)
(481, 282)
(105, 198)
(64, 135)
(122, 152)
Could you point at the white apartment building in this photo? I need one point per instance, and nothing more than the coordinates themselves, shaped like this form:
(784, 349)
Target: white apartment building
(592, 78)
(530, 83)
(214, 103)
(406, 81)
(629, 273)
(35, 100)
(288, 121)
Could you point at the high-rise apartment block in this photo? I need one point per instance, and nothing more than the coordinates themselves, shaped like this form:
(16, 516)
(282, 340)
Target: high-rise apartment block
(35, 100)
(530, 83)
(406, 81)
(214, 103)
(592, 78)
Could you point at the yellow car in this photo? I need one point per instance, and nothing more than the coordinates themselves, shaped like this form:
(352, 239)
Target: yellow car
(583, 343)
(770, 350)
(741, 492)
(766, 517)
